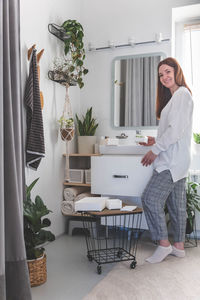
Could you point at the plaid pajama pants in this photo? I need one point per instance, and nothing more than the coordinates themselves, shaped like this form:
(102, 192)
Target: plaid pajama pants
(160, 190)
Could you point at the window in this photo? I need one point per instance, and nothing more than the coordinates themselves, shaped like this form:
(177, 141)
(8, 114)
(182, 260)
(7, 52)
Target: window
(191, 66)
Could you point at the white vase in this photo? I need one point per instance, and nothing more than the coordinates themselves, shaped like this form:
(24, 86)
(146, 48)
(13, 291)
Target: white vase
(196, 148)
(86, 144)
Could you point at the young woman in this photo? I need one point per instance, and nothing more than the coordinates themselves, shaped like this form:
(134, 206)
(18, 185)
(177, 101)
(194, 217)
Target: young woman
(170, 156)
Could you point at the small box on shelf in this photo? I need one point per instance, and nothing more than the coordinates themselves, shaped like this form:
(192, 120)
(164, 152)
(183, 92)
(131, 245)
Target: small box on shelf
(76, 175)
(88, 176)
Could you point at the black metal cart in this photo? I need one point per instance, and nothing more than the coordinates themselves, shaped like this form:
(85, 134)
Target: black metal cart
(112, 236)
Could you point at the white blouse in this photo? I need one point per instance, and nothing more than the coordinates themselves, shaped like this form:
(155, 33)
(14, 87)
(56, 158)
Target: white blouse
(173, 140)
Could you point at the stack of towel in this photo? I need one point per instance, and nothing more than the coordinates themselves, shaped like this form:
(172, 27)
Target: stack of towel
(71, 195)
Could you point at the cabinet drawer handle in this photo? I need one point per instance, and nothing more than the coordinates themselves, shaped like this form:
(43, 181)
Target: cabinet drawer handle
(120, 176)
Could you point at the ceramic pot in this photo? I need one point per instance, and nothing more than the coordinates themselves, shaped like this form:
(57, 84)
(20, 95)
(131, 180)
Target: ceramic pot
(86, 144)
(196, 148)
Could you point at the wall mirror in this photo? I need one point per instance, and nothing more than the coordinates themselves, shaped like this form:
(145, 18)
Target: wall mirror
(134, 90)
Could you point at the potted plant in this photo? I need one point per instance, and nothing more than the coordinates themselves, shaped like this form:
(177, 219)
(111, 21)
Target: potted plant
(35, 235)
(71, 68)
(66, 128)
(86, 129)
(196, 138)
(193, 203)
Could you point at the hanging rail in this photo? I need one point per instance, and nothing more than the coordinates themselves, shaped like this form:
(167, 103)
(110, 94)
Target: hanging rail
(112, 47)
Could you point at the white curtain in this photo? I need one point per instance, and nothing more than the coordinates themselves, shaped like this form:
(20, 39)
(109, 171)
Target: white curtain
(138, 94)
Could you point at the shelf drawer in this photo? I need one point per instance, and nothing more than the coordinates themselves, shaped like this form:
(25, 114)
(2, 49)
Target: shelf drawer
(121, 175)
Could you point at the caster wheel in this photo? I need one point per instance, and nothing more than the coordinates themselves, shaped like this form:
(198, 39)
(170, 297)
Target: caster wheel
(89, 257)
(119, 253)
(133, 265)
(99, 269)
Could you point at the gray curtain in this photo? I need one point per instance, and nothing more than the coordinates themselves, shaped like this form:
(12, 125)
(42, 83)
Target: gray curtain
(139, 92)
(14, 280)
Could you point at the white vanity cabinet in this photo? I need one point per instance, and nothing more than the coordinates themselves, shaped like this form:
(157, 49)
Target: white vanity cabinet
(121, 175)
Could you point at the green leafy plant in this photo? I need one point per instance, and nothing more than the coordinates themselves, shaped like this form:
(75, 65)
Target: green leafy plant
(34, 234)
(196, 137)
(192, 204)
(193, 200)
(74, 51)
(65, 122)
(88, 126)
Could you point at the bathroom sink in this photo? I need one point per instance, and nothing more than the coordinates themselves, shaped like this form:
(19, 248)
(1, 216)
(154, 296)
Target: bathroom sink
(124, 149)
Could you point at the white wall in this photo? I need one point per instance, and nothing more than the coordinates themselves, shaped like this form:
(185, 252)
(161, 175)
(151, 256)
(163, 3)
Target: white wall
(35, 17)
(103, 20)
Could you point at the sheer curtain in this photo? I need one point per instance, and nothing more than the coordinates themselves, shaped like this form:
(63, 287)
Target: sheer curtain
(139, 92)
(14, 280)
(191, 66)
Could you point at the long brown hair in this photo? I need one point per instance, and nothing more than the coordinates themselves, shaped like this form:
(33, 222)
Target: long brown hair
(163, 93)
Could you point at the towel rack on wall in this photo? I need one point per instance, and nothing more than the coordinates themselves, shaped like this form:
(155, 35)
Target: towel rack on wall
(131, 43)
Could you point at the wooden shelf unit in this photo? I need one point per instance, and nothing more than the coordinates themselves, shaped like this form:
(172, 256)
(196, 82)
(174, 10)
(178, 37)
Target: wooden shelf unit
(82, 155)
(76, 184)
(79, 161)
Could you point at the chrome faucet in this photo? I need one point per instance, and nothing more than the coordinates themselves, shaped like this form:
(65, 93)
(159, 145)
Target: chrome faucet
(138, 131)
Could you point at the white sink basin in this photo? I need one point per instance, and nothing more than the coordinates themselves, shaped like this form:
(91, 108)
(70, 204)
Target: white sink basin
(124, 149)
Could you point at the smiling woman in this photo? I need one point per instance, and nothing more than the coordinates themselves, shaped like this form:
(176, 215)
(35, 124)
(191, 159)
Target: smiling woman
(171, 156)
(170, 78)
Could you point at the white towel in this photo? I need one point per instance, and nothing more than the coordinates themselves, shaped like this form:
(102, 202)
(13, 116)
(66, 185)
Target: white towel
(67, 207)
(83, 195)
(70, 193)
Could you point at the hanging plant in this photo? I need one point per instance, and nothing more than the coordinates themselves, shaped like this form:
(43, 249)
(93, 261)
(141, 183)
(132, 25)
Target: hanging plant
(66, 128)
(69, 69)
(74, 51)
(60, 72)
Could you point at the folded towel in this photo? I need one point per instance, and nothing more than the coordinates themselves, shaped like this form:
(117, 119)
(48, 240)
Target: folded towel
(83, 195)
(70, 193)
(67, 207)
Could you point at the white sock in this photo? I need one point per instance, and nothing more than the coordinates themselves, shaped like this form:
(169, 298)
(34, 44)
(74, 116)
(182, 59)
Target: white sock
(160, 254)
(177, 252)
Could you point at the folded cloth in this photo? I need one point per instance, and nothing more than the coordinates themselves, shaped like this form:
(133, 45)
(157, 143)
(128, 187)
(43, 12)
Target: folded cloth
(83, 195)
(90, 204)
(67, 207)
(70, 193)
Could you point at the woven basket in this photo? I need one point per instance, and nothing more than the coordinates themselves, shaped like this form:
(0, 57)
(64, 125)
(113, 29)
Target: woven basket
(37, 271)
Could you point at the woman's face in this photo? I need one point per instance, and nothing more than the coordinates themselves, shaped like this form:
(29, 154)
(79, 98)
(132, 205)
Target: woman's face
(166, 75)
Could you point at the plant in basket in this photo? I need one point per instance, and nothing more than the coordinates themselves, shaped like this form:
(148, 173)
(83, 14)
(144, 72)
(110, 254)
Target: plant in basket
(35, 236)
(66, 128)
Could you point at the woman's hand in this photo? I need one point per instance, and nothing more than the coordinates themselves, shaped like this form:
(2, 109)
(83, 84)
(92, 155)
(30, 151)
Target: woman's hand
(148, 158)
(151, 141)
